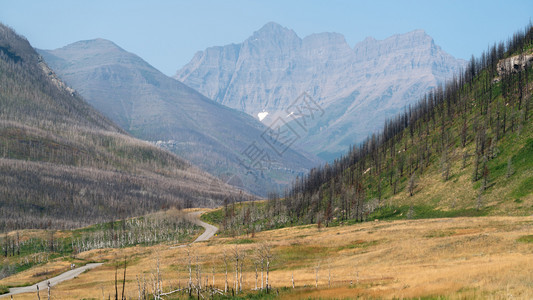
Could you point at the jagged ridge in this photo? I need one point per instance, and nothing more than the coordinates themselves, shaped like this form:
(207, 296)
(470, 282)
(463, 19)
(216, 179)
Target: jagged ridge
(357, 87)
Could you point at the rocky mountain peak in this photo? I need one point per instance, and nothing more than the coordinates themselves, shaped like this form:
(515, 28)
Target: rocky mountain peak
(272, 30)
(100, 51)
(272, 36)
(418, 33)
(373, 80)
(94, 45)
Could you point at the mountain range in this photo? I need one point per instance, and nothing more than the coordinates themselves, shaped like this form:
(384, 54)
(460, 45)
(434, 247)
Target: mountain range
(63, 164)
(355, 88)
(154, 107)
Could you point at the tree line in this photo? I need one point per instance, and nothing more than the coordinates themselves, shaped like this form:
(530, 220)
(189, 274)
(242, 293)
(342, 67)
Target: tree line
(21, 249)
(468, 114)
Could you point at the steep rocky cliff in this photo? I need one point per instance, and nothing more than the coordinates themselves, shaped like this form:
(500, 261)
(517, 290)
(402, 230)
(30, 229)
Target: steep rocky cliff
(357, 87)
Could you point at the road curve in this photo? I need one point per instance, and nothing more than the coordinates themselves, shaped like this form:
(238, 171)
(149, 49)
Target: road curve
(209, 232)
(53, 281)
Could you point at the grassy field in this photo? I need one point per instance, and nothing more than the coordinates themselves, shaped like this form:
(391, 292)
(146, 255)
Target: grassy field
(456, 258)
(167, 227)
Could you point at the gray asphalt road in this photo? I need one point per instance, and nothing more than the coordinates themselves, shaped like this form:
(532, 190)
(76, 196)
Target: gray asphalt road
(53, 281)
(209, 232)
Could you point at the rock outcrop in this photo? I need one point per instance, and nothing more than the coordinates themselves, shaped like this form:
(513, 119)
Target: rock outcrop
(514, 64)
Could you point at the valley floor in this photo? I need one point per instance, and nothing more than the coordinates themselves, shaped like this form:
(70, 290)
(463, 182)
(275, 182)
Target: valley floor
(485, 257)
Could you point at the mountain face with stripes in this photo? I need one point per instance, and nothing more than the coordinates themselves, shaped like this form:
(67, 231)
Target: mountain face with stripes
(356, 87)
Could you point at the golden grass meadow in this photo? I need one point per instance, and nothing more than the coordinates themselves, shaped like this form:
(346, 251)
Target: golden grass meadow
(455, 258)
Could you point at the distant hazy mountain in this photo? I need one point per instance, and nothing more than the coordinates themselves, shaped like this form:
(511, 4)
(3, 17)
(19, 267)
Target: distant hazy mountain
(63, 164)
(155, 107)
(356, 87)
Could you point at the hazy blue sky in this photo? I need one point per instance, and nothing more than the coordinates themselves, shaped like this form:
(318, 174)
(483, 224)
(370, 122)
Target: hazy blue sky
(168, 33)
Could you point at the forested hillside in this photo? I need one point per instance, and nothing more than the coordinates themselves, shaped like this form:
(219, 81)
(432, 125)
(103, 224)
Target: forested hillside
(63, 164)
(466, 149)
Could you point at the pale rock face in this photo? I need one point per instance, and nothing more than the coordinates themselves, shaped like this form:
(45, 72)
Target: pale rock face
(514, 64)
(358, 88)
(54, 78)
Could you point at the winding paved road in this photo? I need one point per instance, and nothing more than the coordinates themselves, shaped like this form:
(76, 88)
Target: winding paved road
(209, 232)
(53, 281)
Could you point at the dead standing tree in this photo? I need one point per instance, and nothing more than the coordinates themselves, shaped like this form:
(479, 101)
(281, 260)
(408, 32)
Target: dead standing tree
(329, 274)
(265, 253)
(256, 275)
(317, 268)
(241, 280)
(226, 265)
(123, 297)
(189, 286)
(198, 275)
(237, 257)
(157, 281)
(262, 271)
(411, 185)
(213, 273)
(292, 279)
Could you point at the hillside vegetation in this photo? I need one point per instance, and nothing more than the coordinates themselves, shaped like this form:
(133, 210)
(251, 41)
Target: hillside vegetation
(63, 164)
(29, 248)
(466, 149)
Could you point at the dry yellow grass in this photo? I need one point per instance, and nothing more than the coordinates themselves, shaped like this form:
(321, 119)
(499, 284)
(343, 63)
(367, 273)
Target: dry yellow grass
(456, 258)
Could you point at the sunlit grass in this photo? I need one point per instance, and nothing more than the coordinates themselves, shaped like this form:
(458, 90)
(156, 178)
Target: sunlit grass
(428, 258)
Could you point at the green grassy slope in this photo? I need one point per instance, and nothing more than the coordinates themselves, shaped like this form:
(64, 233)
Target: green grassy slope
(464, 150)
